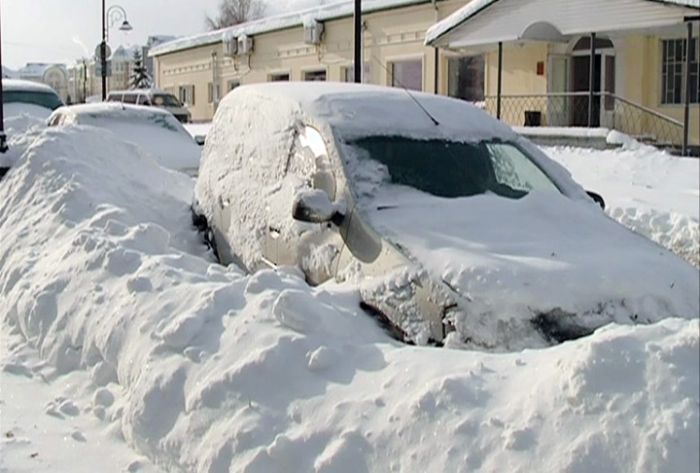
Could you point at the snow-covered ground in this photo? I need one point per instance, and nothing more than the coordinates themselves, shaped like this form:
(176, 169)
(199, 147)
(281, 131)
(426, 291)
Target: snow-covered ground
(647, 190)
(107, 293)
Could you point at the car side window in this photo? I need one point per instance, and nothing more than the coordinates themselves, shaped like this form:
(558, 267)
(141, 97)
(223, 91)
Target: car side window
(310, 160)
(143, 100)
(130, 98)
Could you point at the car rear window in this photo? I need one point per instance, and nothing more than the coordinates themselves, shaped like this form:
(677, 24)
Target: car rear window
(43, 99)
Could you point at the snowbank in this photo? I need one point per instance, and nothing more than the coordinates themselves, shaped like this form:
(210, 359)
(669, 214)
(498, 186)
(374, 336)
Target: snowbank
(213, 371)
(647, 190)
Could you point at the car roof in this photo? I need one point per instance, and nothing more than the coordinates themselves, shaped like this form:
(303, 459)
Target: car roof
(363, 110)
(25, 85)
(112, 110)
(139, 91)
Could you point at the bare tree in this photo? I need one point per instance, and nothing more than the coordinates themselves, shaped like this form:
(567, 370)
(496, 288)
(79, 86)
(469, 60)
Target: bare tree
(233, 12)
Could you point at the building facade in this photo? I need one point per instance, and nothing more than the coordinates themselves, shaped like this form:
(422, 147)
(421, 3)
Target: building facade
(545, 72)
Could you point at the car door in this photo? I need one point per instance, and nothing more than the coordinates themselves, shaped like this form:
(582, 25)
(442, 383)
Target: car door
(314, 248)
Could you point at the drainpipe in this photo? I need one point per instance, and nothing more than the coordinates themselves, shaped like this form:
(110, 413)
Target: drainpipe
(591, 80)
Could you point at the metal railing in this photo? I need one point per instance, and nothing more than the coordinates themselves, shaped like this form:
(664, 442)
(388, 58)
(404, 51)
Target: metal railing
(571, 110)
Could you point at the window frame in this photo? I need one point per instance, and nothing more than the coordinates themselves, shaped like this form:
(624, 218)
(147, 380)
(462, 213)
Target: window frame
(662, 65)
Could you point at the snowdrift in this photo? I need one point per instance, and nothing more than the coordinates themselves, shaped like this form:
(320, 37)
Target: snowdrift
(211, 370)
(649, 191)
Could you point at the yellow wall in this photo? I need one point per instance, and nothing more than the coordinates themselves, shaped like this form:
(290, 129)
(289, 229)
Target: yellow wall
(390, 35)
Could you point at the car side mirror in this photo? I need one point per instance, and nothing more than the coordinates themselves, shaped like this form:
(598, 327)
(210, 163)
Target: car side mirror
(597, 198)
(200, 139)
(314, 206)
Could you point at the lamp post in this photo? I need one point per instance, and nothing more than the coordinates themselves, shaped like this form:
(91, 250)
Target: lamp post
(3, 138)
(357, 24)
(114, 14)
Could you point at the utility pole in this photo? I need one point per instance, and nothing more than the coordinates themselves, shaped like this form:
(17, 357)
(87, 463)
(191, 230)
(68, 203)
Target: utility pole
(358, 41)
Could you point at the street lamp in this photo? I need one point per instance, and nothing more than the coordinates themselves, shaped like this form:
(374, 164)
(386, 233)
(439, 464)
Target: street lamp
(3, 138)
(114, 14)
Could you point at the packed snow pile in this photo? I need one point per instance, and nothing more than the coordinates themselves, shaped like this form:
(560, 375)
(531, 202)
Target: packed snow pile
(203, 368)
(647, 190)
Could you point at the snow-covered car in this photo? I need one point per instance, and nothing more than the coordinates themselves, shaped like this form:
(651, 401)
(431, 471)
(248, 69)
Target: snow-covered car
(155, 131)
(22, 97)
(26, 105)
(454, 228)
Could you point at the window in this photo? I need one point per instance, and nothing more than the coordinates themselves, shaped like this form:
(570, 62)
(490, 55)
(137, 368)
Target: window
(349, 74)
(143, 100)
(186, 94)
(315, 75)
(210, 92)
(466, 78)
(408, 74)
(130, 98)
(283, 77)
(672, 71)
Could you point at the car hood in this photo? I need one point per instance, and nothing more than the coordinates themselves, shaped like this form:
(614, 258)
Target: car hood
(512, 260)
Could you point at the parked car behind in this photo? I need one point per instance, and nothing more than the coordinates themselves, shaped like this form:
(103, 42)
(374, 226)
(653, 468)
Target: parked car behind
(22, 97)
(155, 131)
(26, 105)
(454, 228)
(152, 98)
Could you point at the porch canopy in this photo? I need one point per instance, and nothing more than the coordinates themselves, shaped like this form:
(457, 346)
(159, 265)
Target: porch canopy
(487, 24)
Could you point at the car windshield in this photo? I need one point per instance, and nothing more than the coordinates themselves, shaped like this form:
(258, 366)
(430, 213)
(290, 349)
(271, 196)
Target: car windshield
(43, 99)
(451, 169)
(165, 100)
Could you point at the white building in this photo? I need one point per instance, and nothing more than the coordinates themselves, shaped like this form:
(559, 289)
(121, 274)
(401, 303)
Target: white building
(52, 74)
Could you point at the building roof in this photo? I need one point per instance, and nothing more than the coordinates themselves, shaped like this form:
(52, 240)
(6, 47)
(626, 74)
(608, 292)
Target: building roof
(278, 22)
(474, 7)
(37, 69)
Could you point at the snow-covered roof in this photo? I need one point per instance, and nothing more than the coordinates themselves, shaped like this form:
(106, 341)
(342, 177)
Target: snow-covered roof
(126, 52)
(25, 85)
(151, 90)
(355, 110)
(321, 13)
(474, 7)
(113, 109)
(8, 73)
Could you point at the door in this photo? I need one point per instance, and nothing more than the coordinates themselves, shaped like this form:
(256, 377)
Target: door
(580, 83)
(558, 83)
(314, 248)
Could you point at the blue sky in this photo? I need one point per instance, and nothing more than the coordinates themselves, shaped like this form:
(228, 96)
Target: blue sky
(65, 30)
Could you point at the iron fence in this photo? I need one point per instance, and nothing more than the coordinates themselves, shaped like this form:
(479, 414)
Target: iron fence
(572, 110)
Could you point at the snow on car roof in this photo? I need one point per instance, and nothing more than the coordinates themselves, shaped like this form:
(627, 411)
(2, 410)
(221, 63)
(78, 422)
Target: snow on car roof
(356, 110)
(278, 22)
(112, 110)
(151, 90)
(25, 85)
(476, 6)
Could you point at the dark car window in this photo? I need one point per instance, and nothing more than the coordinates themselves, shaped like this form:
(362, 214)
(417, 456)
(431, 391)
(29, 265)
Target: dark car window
(130, 98)
(43, 99)
(166, 100)
(452, 169)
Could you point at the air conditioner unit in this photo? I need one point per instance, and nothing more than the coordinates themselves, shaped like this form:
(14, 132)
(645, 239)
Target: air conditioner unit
(245, 45)
(312, 32)
(230, 46)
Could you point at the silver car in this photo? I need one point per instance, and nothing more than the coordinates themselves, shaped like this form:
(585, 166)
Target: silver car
(453, 228)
